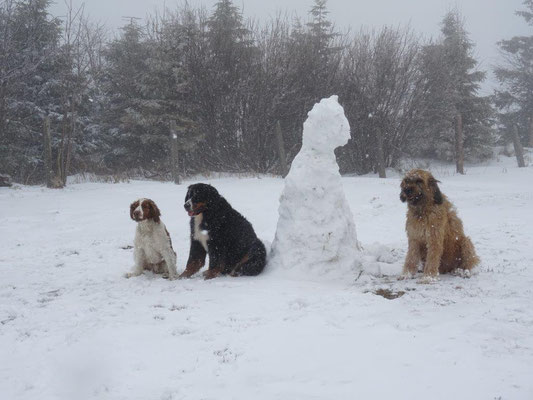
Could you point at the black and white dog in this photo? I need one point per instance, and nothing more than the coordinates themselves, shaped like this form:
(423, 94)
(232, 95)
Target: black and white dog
(222, 233)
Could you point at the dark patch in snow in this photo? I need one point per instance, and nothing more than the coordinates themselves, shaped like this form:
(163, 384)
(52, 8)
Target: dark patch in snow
(8, 319)
(389, 294)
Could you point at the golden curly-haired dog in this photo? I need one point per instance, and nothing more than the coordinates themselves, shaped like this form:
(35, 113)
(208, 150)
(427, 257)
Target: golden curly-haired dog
(434, 231)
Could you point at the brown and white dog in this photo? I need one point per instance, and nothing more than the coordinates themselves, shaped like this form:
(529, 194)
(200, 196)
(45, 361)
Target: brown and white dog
(152, 245)
(434, 231)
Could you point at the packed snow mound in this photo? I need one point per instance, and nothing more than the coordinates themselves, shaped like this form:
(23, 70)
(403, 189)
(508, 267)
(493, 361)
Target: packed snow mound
(315, 230)
(325, 129)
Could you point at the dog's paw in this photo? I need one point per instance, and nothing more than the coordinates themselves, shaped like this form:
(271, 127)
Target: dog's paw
(211, 273)
(171, 277)
(404, 276)
(129, 275)
(428, 279)
(185, 275)
(463, 273)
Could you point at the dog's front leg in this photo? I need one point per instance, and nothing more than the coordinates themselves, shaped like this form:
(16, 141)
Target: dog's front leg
(434, 255)
(139, 257)
(411, 260)
(170, 261)
(196, 259)
(216, 265)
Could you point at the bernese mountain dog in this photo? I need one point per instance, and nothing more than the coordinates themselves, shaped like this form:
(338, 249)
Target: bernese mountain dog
(222, 233)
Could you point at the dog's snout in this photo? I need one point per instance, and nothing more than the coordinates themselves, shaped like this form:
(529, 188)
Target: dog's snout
(408, 190)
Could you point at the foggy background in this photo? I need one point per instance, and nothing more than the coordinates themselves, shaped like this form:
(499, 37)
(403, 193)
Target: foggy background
(165, 89)
(487, 21)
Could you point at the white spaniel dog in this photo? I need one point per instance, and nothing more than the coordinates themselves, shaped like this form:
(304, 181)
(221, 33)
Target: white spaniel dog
(152, 246)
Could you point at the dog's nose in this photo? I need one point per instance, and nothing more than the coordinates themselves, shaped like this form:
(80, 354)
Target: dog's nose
(136, 214)
(408, 191)
(187, 206)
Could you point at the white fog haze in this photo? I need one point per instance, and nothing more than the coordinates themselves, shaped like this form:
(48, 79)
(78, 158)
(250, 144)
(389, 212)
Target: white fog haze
(487, 21)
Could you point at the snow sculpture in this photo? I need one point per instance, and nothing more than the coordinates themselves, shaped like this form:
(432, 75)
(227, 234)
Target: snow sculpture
(315, 229)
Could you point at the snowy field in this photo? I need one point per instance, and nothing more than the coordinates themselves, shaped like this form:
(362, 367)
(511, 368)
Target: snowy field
(73, 328)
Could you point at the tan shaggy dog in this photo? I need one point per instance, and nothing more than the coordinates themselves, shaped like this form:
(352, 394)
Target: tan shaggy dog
(434, 231)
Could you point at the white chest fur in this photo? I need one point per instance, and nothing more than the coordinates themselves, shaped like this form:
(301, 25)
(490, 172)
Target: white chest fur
(151, 237)
(201, 235)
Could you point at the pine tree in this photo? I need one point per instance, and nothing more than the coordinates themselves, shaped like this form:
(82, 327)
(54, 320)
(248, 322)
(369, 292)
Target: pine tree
(322, 53)
(28, 77)
(515, 99)
(312, 65)
(130, 145)
(221, 83)
(453, 83)
(167, 89)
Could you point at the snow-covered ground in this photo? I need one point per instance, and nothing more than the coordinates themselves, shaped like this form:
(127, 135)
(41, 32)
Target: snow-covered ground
(73, 328)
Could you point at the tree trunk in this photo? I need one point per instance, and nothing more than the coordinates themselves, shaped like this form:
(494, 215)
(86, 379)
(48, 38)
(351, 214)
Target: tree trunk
(518, 150)
(3, 113)
(174, 153)
(53, 178)
(380, 154)
(49, 171)
(530, 144)
(459, 150)
(68, 147)
(281, 151)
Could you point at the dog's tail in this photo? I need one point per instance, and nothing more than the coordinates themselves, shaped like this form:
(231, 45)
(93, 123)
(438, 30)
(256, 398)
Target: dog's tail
(254, 262)
(469, 258)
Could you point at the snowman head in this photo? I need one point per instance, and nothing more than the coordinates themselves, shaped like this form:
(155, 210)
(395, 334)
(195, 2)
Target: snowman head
(326, 127)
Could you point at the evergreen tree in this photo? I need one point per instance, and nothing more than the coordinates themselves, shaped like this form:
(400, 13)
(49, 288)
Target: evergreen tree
(129, 144)
(28, 77)
(321, 54)
(166, 86)
(453, 83)
(147, 77)
(515, 99)
(221, 86)
(311, 71)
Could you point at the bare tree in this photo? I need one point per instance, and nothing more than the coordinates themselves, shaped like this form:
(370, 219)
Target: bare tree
(382, 92)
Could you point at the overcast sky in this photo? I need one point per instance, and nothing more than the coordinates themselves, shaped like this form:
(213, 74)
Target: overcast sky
(487, 21)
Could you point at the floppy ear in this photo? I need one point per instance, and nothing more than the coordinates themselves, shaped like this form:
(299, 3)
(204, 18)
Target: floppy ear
(212, 195)
(437, 195)
(403, 197)
(154, 211)
(188, 192)
(133, 206)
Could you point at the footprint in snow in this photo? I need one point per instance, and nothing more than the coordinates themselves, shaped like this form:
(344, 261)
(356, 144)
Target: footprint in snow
(226, 356)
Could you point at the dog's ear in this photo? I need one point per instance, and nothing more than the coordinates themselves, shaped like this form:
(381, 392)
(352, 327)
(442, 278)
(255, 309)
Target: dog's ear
(154, 211)
(212, 195)
(133, 206)
(403, 197)
(437, 195)
(188, 194)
